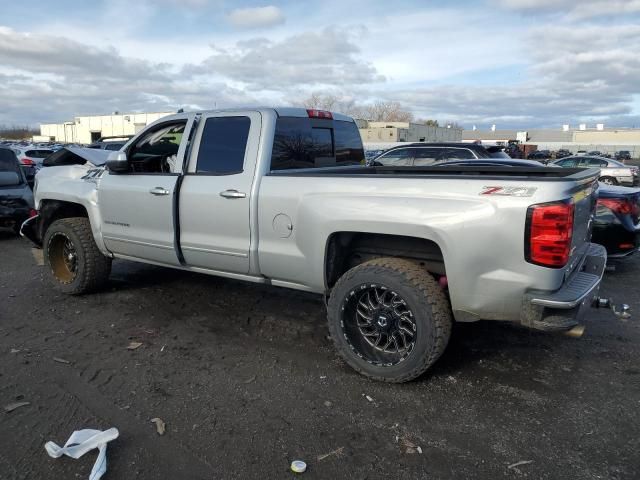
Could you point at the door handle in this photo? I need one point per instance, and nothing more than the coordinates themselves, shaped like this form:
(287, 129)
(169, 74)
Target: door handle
(232, 194)
(159, 191)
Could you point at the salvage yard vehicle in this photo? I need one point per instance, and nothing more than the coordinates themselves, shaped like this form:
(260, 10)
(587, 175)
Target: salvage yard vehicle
(612, 172)
(16, 199)
(422, 154)
(278, 196)
(617, 221)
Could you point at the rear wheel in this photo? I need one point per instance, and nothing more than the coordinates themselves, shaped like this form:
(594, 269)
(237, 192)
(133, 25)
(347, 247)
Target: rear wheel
(73, 258)
(389, 319)
(608, 180)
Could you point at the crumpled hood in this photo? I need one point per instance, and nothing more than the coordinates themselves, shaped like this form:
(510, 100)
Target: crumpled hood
(77, 156)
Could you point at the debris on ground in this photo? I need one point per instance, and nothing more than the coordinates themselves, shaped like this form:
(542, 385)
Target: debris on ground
(514, 466)
(83, 441)
(367, 397)
(15, 350)
(337, 452)
(327, 403)
(12, 406)
(409, 446)
(61, 360)
(134, 345)
(298, 466)
(160, 425)
(249, 380)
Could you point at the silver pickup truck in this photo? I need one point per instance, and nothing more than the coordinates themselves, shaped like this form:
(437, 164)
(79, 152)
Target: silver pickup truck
(280, 196)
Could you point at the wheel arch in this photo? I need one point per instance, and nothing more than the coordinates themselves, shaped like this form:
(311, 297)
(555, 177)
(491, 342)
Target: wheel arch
(51, 210)
(344, 250)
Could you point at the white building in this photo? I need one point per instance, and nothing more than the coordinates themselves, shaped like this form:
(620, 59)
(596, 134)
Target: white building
(88, 129)
(391, 132)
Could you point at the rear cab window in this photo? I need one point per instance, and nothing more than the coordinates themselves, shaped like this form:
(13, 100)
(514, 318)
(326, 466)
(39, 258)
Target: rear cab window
(315, 143)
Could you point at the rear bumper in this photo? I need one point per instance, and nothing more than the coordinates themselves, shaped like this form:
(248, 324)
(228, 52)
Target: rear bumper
(565, 308)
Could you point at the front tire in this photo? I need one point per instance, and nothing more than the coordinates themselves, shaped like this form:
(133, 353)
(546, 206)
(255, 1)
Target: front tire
(72, 256)
(389, 319)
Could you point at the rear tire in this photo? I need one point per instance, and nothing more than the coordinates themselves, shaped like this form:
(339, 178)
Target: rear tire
(392, 303)
(72, 256)
(608, 180)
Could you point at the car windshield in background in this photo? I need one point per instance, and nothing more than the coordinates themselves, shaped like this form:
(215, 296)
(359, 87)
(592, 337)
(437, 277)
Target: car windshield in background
(314, 143)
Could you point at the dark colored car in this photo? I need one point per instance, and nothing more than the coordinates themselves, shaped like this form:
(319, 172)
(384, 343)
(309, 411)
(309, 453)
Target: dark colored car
(540, 155)
(16, 198)
(563, 153)
(623, 155)
(617, 221)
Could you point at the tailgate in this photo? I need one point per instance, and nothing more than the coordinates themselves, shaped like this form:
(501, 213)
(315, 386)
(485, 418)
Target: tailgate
(584, 199)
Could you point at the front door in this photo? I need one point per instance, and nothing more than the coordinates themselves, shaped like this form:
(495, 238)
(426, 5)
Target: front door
(215, 197)
(137, 207)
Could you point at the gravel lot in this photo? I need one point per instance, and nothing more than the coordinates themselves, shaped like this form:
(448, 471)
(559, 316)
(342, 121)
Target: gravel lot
(247, 381)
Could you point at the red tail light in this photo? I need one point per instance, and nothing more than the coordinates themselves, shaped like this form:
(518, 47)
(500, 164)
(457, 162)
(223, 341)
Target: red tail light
(32, 212)
(319, 114)
(27, 161)
(548, 234)
(623, 207)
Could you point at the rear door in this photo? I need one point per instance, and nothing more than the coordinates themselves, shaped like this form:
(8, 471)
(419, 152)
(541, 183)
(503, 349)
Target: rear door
(215, 196)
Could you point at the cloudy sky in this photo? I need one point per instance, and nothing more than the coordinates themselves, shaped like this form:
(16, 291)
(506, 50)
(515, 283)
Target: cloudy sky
(514, 63)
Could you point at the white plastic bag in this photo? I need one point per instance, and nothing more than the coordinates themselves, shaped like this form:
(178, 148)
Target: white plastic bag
(82, 441)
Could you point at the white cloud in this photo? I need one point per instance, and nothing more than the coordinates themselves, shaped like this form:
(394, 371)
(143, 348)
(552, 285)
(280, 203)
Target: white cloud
(256, 17)
(575, 10)
(326, 57)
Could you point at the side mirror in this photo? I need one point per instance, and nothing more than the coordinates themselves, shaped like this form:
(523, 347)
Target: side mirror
(117, 162)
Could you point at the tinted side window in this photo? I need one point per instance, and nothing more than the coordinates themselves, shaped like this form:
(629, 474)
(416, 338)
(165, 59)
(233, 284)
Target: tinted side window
(8, 161)
(428, 155)
(223, 145)
(567, 163)
(460, 153)
(397, 158)
(312, 143)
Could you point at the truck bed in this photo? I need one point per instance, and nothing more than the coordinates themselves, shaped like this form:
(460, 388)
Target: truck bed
(529, 173)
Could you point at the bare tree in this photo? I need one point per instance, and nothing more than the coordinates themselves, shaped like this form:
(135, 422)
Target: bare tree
(378, 112)
(428, 122)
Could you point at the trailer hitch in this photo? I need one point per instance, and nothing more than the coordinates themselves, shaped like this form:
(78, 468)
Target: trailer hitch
(621, 311)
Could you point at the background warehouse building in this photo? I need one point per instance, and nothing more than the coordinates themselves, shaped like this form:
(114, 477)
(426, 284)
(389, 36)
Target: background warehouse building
(88, 129)
(392, 132)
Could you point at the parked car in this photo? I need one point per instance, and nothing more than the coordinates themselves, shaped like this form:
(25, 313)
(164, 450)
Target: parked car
(612, 172)
(16, 198)
(595, 153)
(110, 143)
(617, 221)
(542, 156)
(623, 155)
(279, 197)
(30, 156)
(423, 154)
(562, 153)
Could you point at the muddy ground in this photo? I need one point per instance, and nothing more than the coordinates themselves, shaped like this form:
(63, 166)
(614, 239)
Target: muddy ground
(247, 381)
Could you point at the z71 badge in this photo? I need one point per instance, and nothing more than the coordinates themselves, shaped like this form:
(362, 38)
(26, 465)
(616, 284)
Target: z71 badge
(509, 191)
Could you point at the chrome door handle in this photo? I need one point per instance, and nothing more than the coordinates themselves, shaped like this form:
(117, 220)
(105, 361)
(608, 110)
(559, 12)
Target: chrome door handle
(232, 194)
(159, 191)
